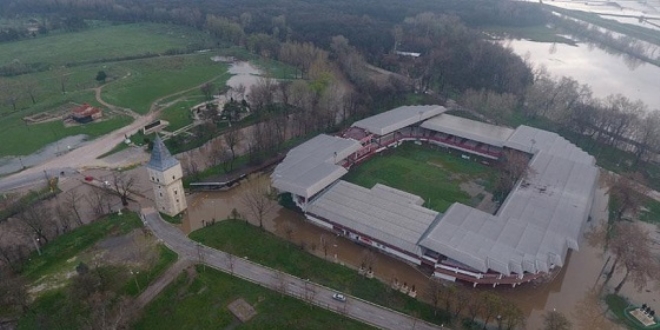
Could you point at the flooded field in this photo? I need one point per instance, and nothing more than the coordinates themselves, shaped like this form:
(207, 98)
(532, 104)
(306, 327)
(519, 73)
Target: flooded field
(568, 292)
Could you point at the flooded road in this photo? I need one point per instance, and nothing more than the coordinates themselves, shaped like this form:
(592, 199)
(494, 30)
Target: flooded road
(568, 292)
(15, 164)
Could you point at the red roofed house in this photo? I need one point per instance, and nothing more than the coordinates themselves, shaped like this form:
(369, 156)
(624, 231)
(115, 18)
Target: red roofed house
(86, 113)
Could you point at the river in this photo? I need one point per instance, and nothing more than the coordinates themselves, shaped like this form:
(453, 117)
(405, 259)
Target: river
(606, 73)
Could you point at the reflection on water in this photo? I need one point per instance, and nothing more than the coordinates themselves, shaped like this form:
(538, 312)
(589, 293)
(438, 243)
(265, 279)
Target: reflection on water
(14, 164)
(606, 73)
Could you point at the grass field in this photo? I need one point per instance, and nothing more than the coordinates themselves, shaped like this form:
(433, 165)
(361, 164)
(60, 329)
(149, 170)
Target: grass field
(109, 42)
(55, 254)
(151, 79)
(430, 173)
(617, 304)
(201, 303)
(240, 238)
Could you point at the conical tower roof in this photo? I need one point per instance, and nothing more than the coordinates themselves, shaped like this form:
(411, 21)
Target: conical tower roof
(161, 158)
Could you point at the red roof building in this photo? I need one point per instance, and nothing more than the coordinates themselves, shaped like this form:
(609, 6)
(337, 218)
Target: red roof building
(86, 113)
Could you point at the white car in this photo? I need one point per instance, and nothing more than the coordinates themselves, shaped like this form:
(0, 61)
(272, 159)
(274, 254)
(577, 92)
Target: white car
(339, 297)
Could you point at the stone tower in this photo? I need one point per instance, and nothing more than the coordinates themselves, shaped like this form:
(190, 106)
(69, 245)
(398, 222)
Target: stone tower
(165, 175)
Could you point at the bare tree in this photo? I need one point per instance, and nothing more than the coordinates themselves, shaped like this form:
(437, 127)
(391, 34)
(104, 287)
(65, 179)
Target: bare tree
(588, 313)
(258, 199)
(491, 308)
(631, 246)
(64, 217)
(280, 282)
(628, 192)
(72, 201)
(13, 293)
(475, 304)
(231, 258)
(31, 87)
(512, 317)
(37, 223)
(434, 291)
(123, 184)
(514, 166)
(207, 90)
(232, 138)
(553, 320)
(325, 245)
(96, 199)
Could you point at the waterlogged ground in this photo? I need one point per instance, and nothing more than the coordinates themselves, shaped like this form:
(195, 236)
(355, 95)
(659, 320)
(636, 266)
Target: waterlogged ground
(568, 291)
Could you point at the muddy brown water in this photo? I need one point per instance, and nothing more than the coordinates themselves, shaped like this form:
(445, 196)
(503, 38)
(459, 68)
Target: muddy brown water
(567, 288)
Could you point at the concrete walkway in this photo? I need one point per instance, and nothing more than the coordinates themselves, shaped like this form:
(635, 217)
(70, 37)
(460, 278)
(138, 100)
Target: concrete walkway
(163, 281)
(356, 308)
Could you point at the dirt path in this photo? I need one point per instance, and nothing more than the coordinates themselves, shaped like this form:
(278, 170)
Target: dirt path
(163, 281)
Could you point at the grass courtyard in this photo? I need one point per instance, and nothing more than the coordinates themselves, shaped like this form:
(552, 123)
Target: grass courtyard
(426, 171)
(199, 301)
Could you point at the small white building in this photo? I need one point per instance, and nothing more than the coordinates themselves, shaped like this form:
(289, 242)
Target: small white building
(165, 175)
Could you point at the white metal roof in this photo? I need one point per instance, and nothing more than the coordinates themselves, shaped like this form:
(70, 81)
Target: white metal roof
(383, 213)
(532, 140)
(311, 166)
(473, 130)
(390, 121)
(538, 222)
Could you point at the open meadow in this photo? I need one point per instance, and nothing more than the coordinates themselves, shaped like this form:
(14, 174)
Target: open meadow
(62, 68)
(425, 171)
(112, 247)
(199, 299)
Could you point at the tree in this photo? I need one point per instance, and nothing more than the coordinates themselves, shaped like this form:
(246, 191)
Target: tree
(37, 223)
(631, 246)
(96, 200)
(554, 320)
(122, 184)
(232, 138)
(511, 317)
(101, 76)
(207, 90)
(492, 307)
(513, 166)
(72, 201)
(31, 87)
(588, 313)
(13, 292)
(627, 191)
(257, 198)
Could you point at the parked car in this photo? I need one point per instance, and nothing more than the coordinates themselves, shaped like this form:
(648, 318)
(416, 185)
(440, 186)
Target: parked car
(339, 297)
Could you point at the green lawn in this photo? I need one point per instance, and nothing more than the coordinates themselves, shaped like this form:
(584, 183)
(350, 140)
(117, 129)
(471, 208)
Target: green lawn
(178, 114)
(426, 171)
(652, 212)
(55, 254)
(152, 79)
(201, 303)
(243, 239)
(617, 305)
(110, 42)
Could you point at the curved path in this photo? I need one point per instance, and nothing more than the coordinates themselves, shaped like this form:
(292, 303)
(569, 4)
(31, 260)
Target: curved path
(316, 294)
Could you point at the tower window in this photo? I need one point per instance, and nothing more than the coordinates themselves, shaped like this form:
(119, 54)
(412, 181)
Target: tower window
(161, 194)
(177, 200)
(173, 177)
(175, 192)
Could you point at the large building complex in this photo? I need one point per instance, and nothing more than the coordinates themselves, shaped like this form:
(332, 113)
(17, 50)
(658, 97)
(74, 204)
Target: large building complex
(526, 238)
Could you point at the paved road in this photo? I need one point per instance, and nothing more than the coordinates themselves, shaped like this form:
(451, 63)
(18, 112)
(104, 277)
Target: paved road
(355, 308)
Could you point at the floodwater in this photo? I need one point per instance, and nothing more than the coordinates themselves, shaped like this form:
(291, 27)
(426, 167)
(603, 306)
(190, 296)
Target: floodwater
(15, 164)
(567, 292)
(627, 12)
(244, 73)
(604, 72)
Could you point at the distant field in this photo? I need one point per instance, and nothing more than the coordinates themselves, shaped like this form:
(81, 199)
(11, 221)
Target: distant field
(201, 302)
(539, 33)
(431, 174)
(151, 79)
(102, 43)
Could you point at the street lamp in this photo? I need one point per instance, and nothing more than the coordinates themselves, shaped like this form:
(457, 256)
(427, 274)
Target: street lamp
(135, 278)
